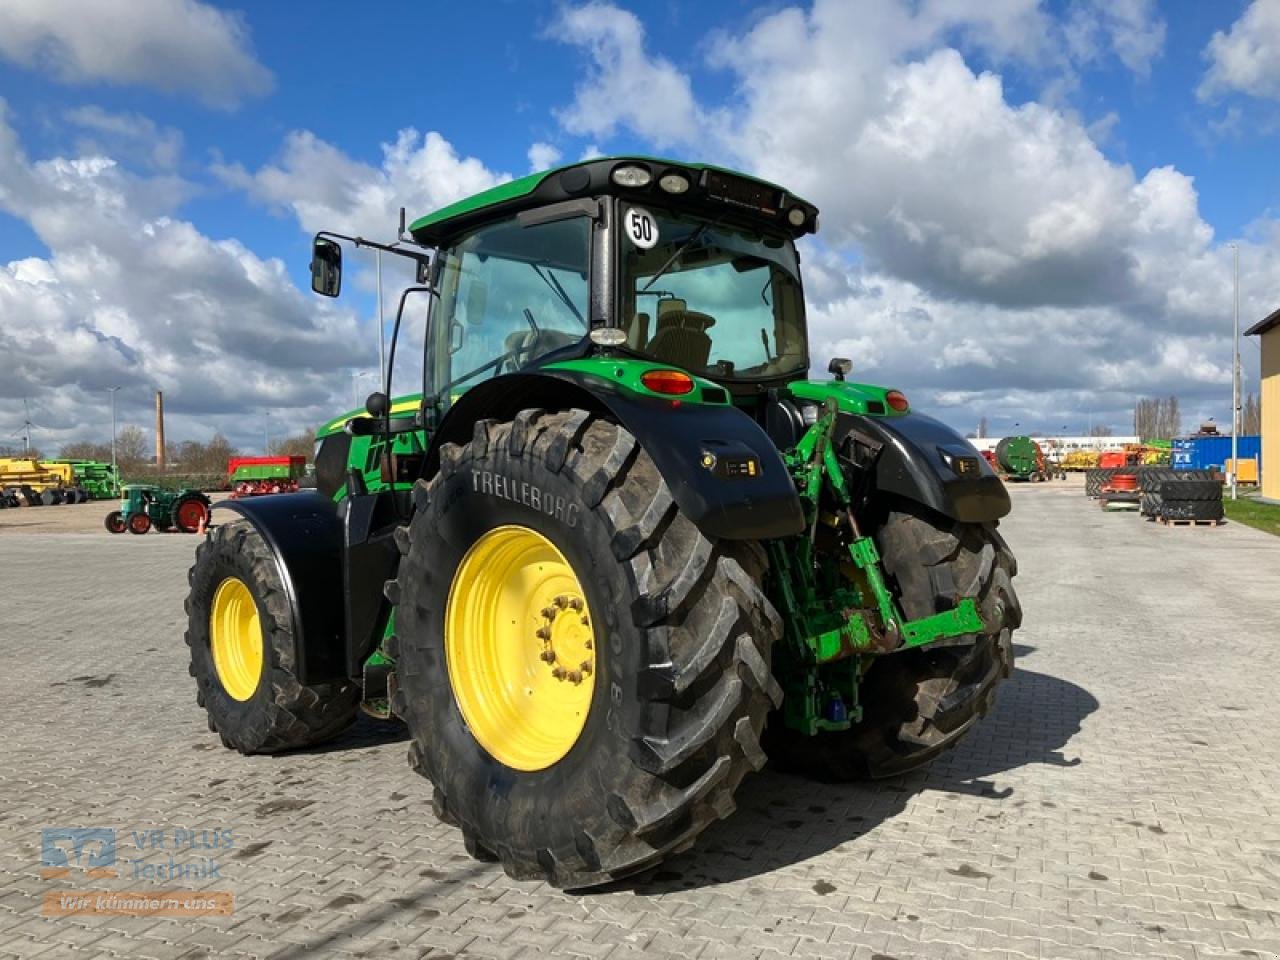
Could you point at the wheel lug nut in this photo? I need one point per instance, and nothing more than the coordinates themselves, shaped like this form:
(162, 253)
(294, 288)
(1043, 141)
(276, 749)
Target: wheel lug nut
(543, 633)
(548, 656)
(575, 604)
(586, 643)
(575, 677)
(549, 613)
(586, 666)
(562, 601)
(559, 673)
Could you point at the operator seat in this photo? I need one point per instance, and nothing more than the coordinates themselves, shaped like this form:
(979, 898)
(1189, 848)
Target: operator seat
(681, 336)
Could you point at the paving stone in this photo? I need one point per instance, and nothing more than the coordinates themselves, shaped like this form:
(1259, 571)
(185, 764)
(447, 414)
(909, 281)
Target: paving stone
(1118, 802)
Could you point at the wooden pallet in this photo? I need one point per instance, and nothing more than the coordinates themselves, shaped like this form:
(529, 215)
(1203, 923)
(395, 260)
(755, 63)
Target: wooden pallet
(1191, 523)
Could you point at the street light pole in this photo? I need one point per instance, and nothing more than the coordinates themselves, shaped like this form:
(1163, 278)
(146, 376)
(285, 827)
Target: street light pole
(1235, 379)
(112, 391)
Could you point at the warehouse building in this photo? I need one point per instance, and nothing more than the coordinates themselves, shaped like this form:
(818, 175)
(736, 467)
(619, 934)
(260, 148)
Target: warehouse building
(1268, 329)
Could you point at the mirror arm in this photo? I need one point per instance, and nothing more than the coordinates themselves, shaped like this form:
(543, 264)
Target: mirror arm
(374, 245)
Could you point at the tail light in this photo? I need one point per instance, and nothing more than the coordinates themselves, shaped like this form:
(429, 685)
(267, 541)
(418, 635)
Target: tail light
(897, 400)
(671, 382)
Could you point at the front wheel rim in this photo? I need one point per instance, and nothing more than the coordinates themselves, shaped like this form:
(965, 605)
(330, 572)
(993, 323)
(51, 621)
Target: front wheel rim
(520, 648)
(235, 639)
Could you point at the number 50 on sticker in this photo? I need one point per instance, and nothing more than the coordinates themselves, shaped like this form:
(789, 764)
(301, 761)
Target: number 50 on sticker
(642, 228)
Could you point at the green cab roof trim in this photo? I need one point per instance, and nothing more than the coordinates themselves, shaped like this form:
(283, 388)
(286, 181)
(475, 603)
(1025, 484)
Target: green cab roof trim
(514, 189)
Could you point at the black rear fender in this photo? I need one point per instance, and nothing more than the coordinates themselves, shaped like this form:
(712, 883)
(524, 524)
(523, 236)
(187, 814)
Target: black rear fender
(304, 532)
(919, 458)
(723, 470)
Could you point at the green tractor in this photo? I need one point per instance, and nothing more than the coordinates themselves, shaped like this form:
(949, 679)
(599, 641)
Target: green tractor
(144, 506)
(619, 550)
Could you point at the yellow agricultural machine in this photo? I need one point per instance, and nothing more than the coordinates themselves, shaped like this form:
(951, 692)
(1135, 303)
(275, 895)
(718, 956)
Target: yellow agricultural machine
(46, 482)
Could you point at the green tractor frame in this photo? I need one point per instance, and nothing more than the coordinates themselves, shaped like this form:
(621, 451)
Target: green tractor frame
(619, 550)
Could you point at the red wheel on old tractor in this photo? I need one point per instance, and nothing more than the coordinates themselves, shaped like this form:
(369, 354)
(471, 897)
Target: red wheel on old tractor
(139, 523)
(189, 513)
(114, 522)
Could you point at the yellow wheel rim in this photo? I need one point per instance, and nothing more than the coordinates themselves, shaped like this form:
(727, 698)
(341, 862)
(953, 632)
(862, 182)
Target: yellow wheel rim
(235, 636)
(520, 648)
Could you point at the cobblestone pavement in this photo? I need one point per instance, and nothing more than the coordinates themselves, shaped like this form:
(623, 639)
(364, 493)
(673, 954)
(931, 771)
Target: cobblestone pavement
(1121, 801)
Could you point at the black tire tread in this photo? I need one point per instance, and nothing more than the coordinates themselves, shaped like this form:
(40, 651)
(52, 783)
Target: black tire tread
(296, 715)
(708, 627)
(908, 718)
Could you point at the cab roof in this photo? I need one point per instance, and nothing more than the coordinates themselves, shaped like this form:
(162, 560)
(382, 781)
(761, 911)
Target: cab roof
(723, 192)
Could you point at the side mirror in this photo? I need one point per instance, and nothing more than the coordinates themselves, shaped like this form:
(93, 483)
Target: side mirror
(326, 267)
(377, 405)
(839, 366)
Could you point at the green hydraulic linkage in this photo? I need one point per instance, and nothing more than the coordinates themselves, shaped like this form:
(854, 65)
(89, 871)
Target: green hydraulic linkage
(833, 626)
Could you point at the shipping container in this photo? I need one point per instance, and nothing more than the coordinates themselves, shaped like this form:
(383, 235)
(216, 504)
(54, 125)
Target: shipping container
(1210, 453)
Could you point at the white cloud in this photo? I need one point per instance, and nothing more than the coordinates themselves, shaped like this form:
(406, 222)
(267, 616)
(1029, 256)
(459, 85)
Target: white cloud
(989, 250)
(176, 46)
(1246, 59)
(625, 86)
(327, 189)
(130, 294)
(543, 156)
(126, 134)
(1130, 29)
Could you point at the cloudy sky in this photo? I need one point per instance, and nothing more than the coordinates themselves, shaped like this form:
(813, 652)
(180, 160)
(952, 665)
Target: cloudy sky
(1027, 206)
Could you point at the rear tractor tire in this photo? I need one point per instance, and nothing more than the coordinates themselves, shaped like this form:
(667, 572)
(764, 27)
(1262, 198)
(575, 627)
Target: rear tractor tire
(190, 512)
(918, 703)
(584, 674)
(240, 635)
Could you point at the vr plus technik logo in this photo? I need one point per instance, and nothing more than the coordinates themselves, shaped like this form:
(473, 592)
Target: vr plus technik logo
(68, 853)
(91, 849)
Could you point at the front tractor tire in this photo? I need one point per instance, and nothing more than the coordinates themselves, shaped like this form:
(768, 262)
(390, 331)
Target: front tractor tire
(585, 676)
(242, 646)
(918, 703)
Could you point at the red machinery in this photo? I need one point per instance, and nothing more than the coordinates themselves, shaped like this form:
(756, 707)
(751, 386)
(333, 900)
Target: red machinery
(252, 476)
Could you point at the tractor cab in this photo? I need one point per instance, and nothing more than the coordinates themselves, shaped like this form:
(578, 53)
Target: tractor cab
(680, 265)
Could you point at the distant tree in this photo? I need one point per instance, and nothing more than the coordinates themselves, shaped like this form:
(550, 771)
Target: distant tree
(86, 450)
(192, 456)
(298, 445)
(983, 427)
(1156, 419)
(1099, 430)
(132, 449)
(1251, 416)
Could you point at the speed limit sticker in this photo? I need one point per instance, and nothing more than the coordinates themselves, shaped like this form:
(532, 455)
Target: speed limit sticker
(642, 228)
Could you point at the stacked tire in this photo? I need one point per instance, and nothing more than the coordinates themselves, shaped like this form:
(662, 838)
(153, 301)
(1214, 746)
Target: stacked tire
(1152, 479)
(1097, 478)
(1197, 500)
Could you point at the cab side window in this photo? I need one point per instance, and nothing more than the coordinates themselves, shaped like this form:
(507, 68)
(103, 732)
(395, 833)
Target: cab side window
(509, 295)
